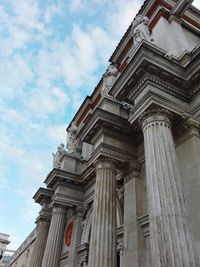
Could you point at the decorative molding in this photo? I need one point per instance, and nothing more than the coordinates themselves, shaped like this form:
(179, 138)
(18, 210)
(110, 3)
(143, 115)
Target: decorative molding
(186, 129)
(83, 252)
(155, 80)
(132, 172)
(144, 224)
(158, 116)
(43, 195)
(105, 162)
(120, 246)
(118, 134)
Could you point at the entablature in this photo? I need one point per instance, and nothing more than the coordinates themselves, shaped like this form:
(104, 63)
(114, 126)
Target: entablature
(150, 62)
(56, 176)
(43, 195)
(100, 119)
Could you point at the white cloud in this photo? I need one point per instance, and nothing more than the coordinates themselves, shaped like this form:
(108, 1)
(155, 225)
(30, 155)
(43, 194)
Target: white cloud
(44, 101)
(15, 74)
(43, 76)
(57, 133)
(196, 3)
(52, 10)
(77, 5)
(125, 11)
(27, 14)
(30, 211)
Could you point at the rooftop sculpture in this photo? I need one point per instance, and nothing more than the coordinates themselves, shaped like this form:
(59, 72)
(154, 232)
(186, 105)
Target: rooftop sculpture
(109, 79)
(72, 138)
(140, 30)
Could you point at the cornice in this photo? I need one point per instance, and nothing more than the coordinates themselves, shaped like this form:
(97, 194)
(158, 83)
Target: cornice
(109, 151)
(163, 86)
(186, 129)
(66, 201)
(159, 69)
(43, 195)
(152, 99)
(57, 175)
(101, 118)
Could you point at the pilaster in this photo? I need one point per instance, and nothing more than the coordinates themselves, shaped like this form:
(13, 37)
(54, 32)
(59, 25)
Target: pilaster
(130, 250)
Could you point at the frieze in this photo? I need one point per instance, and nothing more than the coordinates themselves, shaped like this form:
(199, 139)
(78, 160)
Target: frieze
(160, 83)
(119, 134)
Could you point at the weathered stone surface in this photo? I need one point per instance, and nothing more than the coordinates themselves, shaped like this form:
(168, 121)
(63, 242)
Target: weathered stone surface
(55, 238)
(170, 231)
(103, 244)
(40, 243)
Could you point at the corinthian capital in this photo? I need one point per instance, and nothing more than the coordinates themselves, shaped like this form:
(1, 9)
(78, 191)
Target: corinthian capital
(105, 162)
(155, 116)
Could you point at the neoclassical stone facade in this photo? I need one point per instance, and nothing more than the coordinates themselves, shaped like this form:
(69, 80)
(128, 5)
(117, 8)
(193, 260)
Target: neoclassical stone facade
(125, 191)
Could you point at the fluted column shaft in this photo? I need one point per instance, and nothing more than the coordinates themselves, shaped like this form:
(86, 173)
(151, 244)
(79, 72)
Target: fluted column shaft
(55, 238)
(170, 231)
(103, 245)
(40, 243)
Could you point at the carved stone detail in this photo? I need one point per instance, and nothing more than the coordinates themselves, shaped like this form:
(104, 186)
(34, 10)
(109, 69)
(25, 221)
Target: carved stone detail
(120, 247)
(155, 116)
(160, 83)
(87, 213)
(104, 163)
(140, 30)
(82, 251)
(72, 138)
(57, 157)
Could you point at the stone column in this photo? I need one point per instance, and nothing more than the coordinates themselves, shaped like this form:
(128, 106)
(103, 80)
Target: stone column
(40, 242)
(55, 237)
(130, 218)
(103, 244)
(170, 231)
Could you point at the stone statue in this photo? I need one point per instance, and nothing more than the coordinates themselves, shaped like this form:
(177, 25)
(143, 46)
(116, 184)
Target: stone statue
(87, 213)
(140, 30)
(109, 79)
(71, 138)
(57, 157)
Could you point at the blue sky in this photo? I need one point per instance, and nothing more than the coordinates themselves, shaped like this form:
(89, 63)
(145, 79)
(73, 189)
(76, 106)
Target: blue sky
(52, 54)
